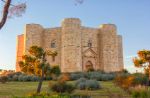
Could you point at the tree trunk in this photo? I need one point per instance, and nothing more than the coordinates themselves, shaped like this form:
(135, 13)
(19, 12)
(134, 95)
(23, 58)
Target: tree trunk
(149, 76)
(40, 82)
(5, 13)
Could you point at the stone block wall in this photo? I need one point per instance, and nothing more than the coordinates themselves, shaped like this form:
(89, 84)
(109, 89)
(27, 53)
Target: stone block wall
(76, 45)
(109, 47)
(20, 50)
(71, 57)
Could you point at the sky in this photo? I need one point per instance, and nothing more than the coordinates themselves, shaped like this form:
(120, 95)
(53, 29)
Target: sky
(132, 18)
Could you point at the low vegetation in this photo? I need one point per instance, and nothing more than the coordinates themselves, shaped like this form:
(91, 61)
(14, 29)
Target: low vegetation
(21, 89)
(85, 84)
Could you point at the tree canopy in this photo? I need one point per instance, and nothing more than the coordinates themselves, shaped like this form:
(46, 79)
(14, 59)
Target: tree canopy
(143, 61)
(35, 63)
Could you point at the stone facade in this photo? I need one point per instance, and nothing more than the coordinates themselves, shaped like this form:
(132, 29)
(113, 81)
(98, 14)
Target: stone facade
(76, 45)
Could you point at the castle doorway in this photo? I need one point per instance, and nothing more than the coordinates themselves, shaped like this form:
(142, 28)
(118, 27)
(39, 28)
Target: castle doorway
(89, 66)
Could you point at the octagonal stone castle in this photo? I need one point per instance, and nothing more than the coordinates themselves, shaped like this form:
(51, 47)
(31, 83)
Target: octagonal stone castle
(77, 46)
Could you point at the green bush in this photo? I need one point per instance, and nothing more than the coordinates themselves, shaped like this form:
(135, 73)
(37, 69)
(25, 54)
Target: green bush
(3, 79)
(97, 75)
(92, 84)
(101, 76)
(140, 79)
(35, 78)
(76, 76)
(62, 87)
(140, 92)
(135, 94)
(20, 77)
(56, 70)
(15, 78)
(48, 78)
(83, 83)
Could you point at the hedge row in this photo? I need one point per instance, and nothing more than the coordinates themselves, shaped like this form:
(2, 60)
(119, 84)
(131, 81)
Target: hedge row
(18, 76)
(99, 76)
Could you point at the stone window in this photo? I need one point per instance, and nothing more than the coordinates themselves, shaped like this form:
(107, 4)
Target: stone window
(53, 44)
(89, 43)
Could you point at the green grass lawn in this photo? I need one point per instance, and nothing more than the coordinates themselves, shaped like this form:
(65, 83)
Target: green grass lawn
(24, 88)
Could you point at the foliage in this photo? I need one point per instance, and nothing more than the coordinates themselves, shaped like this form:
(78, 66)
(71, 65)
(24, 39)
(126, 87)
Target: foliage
(130, 80)
(143, 60)
(140, 79)
(124, 80)
(76, 76)
(97, 75)
(125, 71)
(15, 78)
(140, 92)
(83, 84)
(42, 94)
(35, 63)
(18, 76)
(55, 70)
(64, 77)
(10, 10)
(21, 89)
(62, 87)
(80, 83)
(3, 79)
(92, 84)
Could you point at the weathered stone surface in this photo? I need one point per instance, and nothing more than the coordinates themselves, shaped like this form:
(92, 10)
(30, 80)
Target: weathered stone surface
(76, 45)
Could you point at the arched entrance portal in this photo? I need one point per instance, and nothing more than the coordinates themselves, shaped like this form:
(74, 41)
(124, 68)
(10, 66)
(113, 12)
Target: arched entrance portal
(89, 66)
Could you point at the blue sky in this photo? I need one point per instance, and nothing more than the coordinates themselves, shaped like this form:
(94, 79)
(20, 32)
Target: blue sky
(132, 18)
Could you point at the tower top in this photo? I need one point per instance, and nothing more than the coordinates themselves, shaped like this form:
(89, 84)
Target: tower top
(75, 21)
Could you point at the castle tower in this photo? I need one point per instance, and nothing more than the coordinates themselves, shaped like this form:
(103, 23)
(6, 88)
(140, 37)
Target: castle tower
(33, 36)
(71, 57)
(120, 53)
(109, 47)
(20, 50)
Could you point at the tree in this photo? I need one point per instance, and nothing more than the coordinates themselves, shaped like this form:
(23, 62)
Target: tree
(10, 10)
(143, 60)
(35, 63)
(5, 13)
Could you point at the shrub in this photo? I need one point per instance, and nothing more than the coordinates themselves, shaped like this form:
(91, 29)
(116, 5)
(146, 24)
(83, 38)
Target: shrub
(38, 95)
(97, 75)
(83, 83)
(15, 78)
(124, 80)
(75, 76)
(48, 78)
(55, 70)
(140, 92)
(92, 84)
(81, 86)
(34, 78)
(140, 79)
(62, 87)
(3, 79)
(100, 76)
(83, 80)
(64, 77)
(20, 78)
